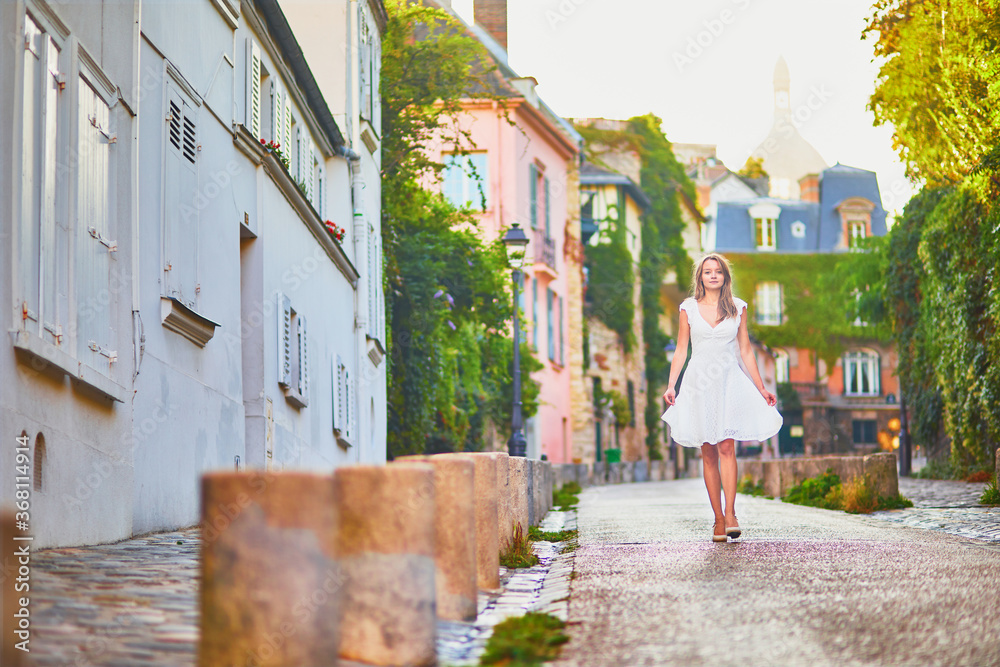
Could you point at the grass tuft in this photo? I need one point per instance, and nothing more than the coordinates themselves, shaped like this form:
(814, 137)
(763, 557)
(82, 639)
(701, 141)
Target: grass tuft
(857, 496)
(525, 641)
(538, 535)
(991, 494)
(518, 554)
(747, 486)
(566, 497)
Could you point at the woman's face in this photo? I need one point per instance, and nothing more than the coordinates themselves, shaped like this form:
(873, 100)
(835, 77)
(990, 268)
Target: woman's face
(712, 276)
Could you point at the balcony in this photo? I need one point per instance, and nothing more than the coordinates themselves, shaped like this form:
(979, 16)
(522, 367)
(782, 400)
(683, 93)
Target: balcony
(543, 249)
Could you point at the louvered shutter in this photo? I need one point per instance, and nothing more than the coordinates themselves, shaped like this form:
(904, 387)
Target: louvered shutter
(297, 167)
(348, 405)
(310, 173)
(548, 233)
(338, 396)
(371, 282)
(286, 136)
(276, 108)
(284, 340)
(303, 358)
(95, 241)
(533, 194)
(181, 222)
(253, 89)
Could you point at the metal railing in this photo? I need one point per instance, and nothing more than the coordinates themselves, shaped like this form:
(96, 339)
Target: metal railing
(544, 248)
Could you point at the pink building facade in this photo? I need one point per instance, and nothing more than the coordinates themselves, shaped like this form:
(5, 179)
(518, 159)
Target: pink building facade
(521, 164)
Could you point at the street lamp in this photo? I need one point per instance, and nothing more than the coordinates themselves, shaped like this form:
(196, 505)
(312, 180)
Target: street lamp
(516, 243)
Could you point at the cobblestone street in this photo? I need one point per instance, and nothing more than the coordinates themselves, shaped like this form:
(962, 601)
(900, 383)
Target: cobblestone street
(135, 603)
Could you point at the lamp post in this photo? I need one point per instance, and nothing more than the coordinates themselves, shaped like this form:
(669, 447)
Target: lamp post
(516, 242)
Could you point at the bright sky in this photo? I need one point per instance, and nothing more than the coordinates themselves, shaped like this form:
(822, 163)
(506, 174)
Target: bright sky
(706, 68)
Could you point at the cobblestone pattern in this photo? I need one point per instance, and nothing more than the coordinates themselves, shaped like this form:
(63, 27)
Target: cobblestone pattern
(135, 604)
(948, 506)
(543, 588)
(131, 604)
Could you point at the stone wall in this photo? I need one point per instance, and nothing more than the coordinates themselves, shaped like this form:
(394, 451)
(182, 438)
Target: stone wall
(780, 475)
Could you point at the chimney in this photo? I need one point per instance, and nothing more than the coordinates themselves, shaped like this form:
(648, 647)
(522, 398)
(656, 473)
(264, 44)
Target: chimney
(809, 188)
(492, 15)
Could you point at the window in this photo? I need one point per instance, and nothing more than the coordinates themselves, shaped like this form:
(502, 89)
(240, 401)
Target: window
(781, 373)
(768, 303)
(799, 229)
(560, 304)
(343, 402)
(181, 215)
(550, 298)
(856, 231)
(44, 186)
(630, 394)
(767, 233)
(38, 463)
(466, 181)
(865, 431)
(258, 115)
(861, 373)
(293, 353)
(538, 195)
(534, 314)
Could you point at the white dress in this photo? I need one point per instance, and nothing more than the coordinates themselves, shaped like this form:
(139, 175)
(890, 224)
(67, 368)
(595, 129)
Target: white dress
(717, 400)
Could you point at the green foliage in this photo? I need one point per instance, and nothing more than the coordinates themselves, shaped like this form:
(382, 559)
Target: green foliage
(939, 83)
(518, 553)
(939, 468)
(788, 397)
(818, 320)
(662, 177)
(819, 491)
(747, 486)
(610, 281)
(448, 294)
(857, 496)
(525, 641)
(991, 494)
(539, 535)
(753, 168)
(567, 496)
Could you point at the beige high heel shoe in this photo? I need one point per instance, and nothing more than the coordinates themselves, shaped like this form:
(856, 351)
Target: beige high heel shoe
(716, 537)
(733, 531)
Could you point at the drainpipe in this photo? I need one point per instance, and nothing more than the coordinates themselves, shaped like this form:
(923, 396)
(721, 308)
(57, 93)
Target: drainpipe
(360, 238)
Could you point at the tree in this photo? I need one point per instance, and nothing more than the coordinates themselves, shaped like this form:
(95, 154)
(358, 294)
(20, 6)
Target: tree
(939, 82)
(448, 298)
(753, 168)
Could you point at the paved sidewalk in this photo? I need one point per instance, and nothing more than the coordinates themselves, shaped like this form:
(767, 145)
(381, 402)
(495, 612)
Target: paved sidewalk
(135, 603)
(947, 506)
(804, 586)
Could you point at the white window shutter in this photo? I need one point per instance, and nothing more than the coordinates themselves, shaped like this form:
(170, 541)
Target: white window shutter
(303, 358)
(253, 89)
(284, 340)
(371, 283)
(348, 405)
(338, 395)
(297, 167)
(276, 108)
(310, 174)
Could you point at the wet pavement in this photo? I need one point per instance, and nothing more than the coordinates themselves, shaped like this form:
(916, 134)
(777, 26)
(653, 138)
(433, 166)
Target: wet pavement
(803, 586)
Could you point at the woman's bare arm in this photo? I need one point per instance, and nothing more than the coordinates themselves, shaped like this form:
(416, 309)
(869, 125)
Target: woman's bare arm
(750, 361)
(680, 356)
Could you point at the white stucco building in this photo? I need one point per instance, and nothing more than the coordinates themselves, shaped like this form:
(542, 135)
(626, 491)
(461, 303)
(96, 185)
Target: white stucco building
(174, 300)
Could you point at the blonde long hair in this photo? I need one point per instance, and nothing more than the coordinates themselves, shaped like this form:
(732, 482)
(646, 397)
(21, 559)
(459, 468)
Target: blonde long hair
(726, 307)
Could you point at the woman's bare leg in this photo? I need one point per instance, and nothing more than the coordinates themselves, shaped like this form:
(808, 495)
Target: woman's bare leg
(713, 482)
(727, 460)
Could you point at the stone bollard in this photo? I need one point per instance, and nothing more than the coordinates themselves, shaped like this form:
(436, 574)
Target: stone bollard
(505, 509)
(270, 581)
(998, 468)
(550, 484)
(538, 490)
(455, 533)
(519, 490)
(772, 478)
(880, 469)
(9, 655)
(487, 521)
(386, 548)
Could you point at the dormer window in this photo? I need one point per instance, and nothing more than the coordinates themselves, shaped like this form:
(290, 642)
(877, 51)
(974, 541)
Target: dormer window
(856, 231)
(765, 224)
(767, 233)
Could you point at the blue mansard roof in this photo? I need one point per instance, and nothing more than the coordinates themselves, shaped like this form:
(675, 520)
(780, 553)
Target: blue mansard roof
(821, 228)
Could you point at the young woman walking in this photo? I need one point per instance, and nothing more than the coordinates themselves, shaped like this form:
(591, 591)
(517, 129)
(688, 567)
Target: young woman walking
(718, 403)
